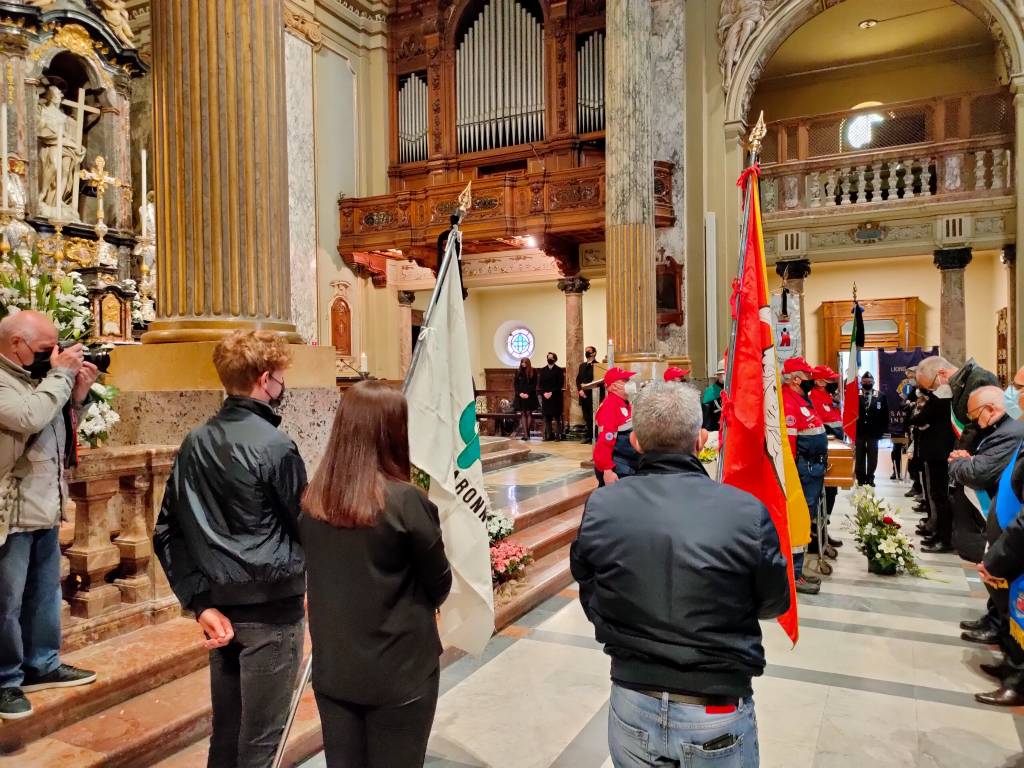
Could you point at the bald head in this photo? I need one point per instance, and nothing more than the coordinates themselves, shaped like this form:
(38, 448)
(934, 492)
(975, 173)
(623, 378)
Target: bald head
(25, 333)
(986, 405)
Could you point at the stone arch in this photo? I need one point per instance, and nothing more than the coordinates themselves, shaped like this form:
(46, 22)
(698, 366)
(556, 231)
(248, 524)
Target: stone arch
(998, 15)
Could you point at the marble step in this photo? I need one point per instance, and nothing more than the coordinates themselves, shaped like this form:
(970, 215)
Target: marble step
(126, 667)
(546, 577)
(494, 444)
(505, 458)
(532, 511)
(546, 536)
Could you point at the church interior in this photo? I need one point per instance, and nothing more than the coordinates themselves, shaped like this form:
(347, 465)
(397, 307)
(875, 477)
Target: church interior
(181, 170)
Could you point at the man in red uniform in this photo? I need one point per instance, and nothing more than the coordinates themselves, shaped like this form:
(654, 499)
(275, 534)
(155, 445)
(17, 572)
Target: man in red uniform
(809, 442)
(677, 374)
(614, 456)
(823, 396)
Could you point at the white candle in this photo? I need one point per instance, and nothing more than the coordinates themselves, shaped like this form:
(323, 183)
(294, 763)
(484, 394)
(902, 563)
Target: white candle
(59, 203)
(611, 354)
(3, 148)
(145, 197)
(364, 365)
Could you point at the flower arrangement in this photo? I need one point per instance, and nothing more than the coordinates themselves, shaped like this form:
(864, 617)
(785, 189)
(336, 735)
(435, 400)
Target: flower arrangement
(708, 455)
(98, 415)
(498, 527)
(508, 561)
(880, 536)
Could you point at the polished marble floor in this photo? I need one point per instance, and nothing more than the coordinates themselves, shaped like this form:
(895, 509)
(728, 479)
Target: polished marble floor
(879, 678)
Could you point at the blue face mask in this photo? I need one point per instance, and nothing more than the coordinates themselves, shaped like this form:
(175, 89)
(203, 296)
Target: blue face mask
(1011, 398)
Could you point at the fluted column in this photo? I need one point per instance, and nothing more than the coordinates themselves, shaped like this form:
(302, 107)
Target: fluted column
(221, 169)
(405, 302)
(953, 317)
(574, 288)
(1009, 259)
(629, 162)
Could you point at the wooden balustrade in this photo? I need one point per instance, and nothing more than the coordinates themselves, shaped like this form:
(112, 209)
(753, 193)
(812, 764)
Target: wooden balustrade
(111, 581)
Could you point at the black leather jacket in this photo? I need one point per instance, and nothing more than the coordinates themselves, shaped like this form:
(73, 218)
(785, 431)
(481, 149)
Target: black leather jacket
(674, 572)
(227, 533)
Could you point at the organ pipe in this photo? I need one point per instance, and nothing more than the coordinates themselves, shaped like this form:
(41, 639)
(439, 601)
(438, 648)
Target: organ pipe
(412, 119)
(590, 79)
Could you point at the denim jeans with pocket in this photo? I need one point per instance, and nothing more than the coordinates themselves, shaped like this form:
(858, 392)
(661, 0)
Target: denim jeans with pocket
(252, 679)
(644, 731)
(29, 605)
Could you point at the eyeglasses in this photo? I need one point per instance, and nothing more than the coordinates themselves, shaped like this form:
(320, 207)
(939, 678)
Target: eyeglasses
(977, 414)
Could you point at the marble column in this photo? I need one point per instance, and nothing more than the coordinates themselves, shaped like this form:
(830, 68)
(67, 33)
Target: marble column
(574, 288)
(793, 274)
(629, 193)
(405, 302)
(1017, 326)
(1009, 259)
(221, 169)
(953, 316)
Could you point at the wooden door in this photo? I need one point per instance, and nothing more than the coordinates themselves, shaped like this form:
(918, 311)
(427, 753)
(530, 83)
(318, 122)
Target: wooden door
(890, 323)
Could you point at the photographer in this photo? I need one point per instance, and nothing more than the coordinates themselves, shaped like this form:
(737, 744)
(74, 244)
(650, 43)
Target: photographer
(40, 385)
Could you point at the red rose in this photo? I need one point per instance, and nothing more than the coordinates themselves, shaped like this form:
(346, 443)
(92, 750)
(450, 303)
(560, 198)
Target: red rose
(888, 520)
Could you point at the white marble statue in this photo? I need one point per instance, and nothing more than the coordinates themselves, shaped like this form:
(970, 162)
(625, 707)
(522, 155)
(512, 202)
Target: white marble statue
(147, 215)
(116, 16)
(738, 20)
(951, 173)
(53, 123)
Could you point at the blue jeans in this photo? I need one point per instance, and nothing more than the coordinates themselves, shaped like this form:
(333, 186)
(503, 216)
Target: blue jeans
(644, 731)
(29, 606)
(798, 564)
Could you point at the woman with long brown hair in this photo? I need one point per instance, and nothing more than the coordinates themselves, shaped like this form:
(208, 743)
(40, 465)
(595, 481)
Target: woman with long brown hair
(525, 384)
(376, 575)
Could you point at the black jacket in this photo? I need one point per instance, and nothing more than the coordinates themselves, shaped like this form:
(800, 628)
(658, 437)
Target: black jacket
(964, 382)
(935, 436)
(873, 416)
(373, 593)
(551, 380)
(585, 375)
(227, 533)
(674, 571)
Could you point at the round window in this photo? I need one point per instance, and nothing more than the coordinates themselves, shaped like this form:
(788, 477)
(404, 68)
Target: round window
(520, 343)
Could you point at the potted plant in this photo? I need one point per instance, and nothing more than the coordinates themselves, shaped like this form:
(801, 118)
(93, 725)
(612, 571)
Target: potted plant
(880, 536)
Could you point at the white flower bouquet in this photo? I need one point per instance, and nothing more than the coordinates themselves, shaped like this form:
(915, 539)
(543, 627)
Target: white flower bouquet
(880, 536)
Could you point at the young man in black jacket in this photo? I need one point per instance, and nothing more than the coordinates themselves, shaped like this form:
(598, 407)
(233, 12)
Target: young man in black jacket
(551, 387)
(675, 570)
(227, 537)
(872, 424)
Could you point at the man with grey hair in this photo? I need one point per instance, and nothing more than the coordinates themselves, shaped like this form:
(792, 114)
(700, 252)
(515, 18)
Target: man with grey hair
(37, 440)
(675, 571)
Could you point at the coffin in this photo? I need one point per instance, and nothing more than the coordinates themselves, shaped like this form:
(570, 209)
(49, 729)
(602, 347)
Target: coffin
(839, 471)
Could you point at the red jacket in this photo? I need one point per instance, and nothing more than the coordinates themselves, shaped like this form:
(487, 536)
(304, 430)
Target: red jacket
(614, 416)
(800, 416)
(826, 408)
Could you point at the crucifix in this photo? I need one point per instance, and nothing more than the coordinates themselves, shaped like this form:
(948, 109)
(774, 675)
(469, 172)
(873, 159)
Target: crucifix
(99, 179)
(80, 109)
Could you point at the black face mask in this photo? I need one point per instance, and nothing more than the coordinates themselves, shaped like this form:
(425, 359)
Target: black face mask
(867, 386)
(807, 386)
(40, 365)
(831, 388)
(551, 361)
(275, 402)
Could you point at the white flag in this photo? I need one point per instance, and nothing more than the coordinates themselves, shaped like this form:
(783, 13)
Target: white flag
(444, 444)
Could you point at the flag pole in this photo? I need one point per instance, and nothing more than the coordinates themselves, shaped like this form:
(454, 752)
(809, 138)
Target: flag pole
(453, 245)
(754, 144)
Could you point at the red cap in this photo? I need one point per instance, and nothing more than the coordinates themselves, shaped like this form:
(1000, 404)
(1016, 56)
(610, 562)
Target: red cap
(824, 372)
(617, 374)
(676, 374)
(797, 365)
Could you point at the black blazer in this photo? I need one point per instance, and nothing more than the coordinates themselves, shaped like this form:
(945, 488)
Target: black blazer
(373, 594)
(873, 421)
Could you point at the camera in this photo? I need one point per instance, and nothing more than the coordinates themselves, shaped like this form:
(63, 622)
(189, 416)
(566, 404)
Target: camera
(98, 357)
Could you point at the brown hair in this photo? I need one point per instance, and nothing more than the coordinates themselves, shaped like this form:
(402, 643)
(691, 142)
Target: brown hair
(244, 356)
(369, 445)
(525, 365)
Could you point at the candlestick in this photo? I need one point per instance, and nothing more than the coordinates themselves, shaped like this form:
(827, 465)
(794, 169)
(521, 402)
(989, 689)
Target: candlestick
(145, 197)
(3, 148)
(611, 354)
(59, 201)
(364, 365)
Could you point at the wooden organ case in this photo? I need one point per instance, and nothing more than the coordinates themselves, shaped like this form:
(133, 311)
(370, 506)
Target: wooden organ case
(508, 94)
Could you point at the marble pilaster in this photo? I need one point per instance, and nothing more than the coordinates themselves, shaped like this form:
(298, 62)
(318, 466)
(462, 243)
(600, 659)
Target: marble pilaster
(574, 288)
(629, 162)
(953, 316)
(405, 302)
(220, 169)
(669, 137)
(793, 274)
(301, 185)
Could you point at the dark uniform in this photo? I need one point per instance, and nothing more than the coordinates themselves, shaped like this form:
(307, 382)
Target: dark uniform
(551, 380)
(585, 375)
(872, 424)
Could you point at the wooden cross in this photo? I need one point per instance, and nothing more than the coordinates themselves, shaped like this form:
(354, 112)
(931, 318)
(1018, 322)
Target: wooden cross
(99, 179)
(80, 108)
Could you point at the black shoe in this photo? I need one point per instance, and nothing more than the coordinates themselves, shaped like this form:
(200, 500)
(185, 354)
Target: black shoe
(64, 676)
(986, 636)
(893, 476)
(811, 578)
(921, 509)
(834, 542)
(974, 626)
(998, 671)
(914, 491)
(924, 531)
(937, 548)
(1001, 697)
(13, 704)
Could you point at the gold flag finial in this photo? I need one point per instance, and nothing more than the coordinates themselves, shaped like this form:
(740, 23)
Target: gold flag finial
(757, 135)
(466, 198)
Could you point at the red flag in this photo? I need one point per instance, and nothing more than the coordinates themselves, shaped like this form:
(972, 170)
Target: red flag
(754, 445)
